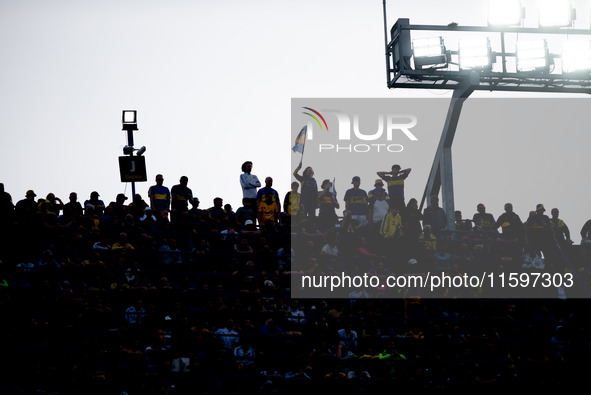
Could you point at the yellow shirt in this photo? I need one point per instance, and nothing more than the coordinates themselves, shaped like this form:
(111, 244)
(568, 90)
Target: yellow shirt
(430, 242)
(268, 211)
(391, 225)
(294, 203)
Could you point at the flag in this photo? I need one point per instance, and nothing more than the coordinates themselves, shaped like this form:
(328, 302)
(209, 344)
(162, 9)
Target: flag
(332, 189)
(300, 141)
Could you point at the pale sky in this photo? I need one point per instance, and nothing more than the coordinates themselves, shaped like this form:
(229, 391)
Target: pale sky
(212, 83)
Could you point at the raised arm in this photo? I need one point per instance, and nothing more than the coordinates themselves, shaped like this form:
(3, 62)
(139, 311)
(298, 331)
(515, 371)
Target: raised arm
(296, 175)
(383, 174)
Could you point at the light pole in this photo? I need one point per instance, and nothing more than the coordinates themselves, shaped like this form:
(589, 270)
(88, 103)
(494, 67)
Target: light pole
(132, 168)
(426, 63)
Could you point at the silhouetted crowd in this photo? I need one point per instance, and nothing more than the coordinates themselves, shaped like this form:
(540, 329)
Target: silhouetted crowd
(158, 295)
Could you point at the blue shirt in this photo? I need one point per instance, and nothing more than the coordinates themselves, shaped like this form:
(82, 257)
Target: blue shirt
(357, 201)
(161, 196)
(396, 185)
(263, 191)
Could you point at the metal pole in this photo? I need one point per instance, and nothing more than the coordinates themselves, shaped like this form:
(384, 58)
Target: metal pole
(441, 175)
(130, 143)
(503, 57)
(386, 42)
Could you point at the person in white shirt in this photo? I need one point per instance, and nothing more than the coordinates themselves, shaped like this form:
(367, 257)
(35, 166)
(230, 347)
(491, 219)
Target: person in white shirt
(378, 209)
(249, 182)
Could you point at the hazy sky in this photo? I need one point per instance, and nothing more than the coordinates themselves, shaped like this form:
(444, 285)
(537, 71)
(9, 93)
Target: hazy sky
(212, 83)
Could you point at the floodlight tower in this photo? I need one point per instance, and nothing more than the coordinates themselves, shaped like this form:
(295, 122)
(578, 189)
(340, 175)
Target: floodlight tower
(426, 63)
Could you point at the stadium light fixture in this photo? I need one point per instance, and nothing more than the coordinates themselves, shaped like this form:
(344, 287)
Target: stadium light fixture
(429, 52)
(129, 116)
(475, 54)
(505, 13)
(576, 56)
(533, 56)
(129, 120)
(556, 13)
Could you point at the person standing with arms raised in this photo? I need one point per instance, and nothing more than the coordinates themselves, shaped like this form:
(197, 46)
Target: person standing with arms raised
(309, 192)
(395, 181)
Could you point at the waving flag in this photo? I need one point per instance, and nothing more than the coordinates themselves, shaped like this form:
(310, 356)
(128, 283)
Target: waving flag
(332, 189)
(300, 141)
